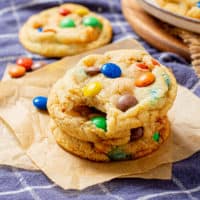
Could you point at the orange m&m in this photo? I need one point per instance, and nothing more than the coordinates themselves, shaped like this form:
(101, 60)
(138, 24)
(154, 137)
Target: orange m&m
(16, 71)
(145, 79)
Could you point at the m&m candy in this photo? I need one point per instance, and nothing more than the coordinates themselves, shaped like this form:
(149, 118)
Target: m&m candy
(67, 23)
(92, 89)
(145, 79)
(99, 122)
(40, 102)
(16, 71)
(198, 4)
(91, 71)
(111, 70)
(25, 62)
(155, 62)
(126, 101)
(167, 79)
(40, 29)
(81, 11)
(142, 66)
(92, 21)
(156, 136)
(117, 154)
(49, 30)
(64, 11)
(136, 133)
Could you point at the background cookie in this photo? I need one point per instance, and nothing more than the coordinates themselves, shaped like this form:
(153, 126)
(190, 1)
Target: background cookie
(65, 30)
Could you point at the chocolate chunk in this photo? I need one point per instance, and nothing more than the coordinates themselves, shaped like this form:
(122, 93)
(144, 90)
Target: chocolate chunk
(126, 101)
(136, 133)
(91, 71)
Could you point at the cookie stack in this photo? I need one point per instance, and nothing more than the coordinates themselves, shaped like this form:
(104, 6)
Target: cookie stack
(112, 106)
(65, 30)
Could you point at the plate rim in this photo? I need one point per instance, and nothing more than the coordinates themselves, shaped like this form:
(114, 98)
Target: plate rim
(189, 19)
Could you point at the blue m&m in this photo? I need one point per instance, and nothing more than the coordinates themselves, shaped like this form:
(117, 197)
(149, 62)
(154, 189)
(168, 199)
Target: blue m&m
(40, 102)
(198, 4)
(40, 29)
(111, 70)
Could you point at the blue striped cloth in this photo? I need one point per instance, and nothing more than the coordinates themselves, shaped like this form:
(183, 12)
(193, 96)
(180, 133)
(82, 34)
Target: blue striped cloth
(26, 185)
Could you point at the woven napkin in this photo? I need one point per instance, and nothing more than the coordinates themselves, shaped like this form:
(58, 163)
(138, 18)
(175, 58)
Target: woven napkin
(192, 40)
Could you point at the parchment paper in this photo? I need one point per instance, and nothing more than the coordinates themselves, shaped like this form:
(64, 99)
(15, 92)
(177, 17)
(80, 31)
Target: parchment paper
(69, 171)
(11, 153)
(30, 127)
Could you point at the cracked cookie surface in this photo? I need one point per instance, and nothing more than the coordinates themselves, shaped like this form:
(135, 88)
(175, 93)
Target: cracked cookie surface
(72, 111)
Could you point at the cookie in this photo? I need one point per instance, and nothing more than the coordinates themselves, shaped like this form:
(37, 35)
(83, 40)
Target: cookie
(137, 147)
(105, 96)
(188, 8)
(65, 30)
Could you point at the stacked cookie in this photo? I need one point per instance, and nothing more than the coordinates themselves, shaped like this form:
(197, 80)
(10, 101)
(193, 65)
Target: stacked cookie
(189, 8)
(112, 106)
(65, 30)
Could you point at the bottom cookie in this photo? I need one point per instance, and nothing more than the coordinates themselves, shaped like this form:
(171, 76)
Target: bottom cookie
(105, 153)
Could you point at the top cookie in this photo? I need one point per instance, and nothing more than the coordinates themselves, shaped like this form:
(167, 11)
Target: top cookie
(188, 8)
(128, 88)
(65, 30)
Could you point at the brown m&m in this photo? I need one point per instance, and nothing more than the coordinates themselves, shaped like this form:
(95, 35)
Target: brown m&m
(91, 71)
(136, 133)
(126, 101)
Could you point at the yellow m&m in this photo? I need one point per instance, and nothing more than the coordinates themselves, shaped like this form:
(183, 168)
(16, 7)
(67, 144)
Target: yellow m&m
(92, 89)
(81, 12)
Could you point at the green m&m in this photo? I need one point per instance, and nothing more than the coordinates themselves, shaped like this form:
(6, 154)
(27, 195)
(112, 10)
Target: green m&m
(92, 21)
(156, 136)
(67, 23)
(100, 122)
(118, 154)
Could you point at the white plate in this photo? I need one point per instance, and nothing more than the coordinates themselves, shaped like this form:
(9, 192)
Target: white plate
(187, 23)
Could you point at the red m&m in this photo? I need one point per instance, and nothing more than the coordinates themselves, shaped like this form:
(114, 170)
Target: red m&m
(64, 11)
(142, 66)
(25, 62)
(155, 62)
